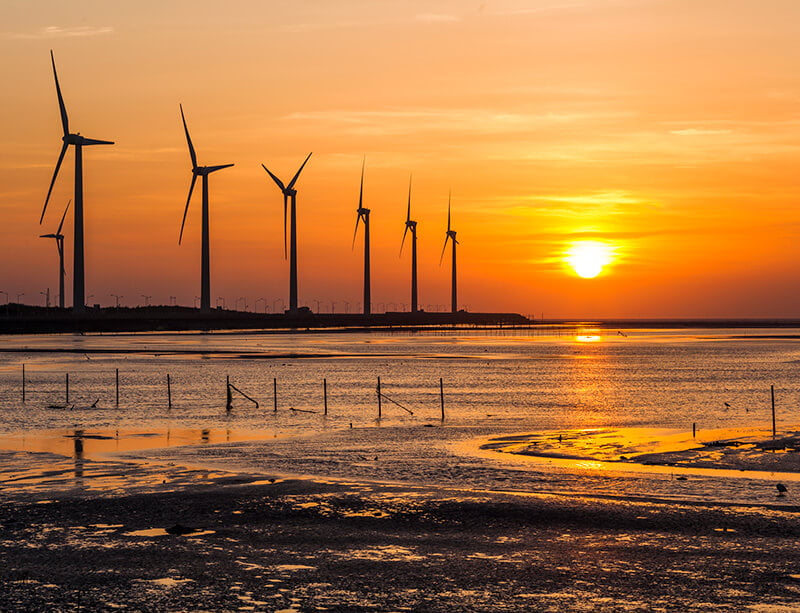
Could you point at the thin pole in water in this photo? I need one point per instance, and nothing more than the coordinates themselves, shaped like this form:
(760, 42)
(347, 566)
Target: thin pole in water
(66, 381)
(229, 401)
(772, 393)
(169, 393)
(275, 394)
(116, 380)
(379, 397)
(23, 382)
(325, 395)
(694, 429)
(441, 395)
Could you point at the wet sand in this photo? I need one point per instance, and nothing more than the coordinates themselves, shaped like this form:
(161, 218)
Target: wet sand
(400, 523)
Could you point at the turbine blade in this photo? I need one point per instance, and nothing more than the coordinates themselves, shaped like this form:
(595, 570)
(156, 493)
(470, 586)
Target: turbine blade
(274, 178)
(63, 217)
(408, 213)
(210, 169)
(53, 180)
(188, 140)
(403, 242)
(94, 141)
(358, 218)
(285, 204)
(296, 176)
(186, 210)
(448, 210)
(361, 191)
(441, 258)
(61, 106)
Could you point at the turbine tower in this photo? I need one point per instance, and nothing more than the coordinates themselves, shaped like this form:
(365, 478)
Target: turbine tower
(451, 235)
(411, 225)
(59, 238)
(289, 192)
(79, 142)
(363, 214)
(205, 259)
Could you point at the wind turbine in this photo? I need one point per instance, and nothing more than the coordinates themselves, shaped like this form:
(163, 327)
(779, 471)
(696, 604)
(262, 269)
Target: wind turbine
(451, 235)
(79, 142)
(205, 260)
(289, 192)
(363, 214)
(60, 246)
(411, 225)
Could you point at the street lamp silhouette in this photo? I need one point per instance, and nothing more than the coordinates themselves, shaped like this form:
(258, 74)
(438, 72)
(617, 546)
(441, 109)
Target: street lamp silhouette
(116, 298)
(146, 300)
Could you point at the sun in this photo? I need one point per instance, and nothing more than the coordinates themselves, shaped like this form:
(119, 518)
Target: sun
(588, 258)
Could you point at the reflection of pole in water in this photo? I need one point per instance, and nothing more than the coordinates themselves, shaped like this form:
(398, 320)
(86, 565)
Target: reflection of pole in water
(204, 435)
(77, 436)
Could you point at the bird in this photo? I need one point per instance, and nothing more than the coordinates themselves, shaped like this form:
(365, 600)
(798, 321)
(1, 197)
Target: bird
(727, 405)
(781, 490)
(621, 333)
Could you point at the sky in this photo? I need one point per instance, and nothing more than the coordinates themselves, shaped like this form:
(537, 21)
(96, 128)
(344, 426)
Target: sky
(665, 131)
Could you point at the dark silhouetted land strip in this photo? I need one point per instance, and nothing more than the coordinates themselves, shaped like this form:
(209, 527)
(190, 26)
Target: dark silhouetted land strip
(21, 319)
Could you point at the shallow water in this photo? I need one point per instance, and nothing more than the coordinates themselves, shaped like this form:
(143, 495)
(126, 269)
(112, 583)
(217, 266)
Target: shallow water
(660, 378)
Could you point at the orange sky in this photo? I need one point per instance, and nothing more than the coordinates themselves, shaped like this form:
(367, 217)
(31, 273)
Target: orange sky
(668, 129)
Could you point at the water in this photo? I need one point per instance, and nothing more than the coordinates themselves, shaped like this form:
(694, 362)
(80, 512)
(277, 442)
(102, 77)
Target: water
(649, 378)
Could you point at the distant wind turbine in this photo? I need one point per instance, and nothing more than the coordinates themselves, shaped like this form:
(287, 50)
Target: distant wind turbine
(59, 238)
(363, 214)
(451, 235)
(77, 141)
(411, 225)
(205, 259)
(290, 193)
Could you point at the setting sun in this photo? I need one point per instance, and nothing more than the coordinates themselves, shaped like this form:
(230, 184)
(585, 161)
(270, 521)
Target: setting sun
(588, 258)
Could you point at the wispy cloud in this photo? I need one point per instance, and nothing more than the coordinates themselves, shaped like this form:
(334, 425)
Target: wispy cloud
(62, 32)
(411, 120)
(699, 132)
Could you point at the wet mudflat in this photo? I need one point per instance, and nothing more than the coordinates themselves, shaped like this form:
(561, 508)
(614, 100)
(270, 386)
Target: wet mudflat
(312, 545)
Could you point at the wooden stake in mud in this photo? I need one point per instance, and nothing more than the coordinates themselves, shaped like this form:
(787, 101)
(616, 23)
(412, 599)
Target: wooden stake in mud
(275, 394)
(169, 393)
(325, 395)
(116, 389)
(379, 397)
(66, 381)
(441, 395)
(772, 393)
(229, 401)
(23, 382)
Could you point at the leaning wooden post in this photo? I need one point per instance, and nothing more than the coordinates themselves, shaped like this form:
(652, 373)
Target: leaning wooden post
(23, 382)
(169, 393)
(116, 388)
(275, 394)
(66, 382)
(772, 393)
(229, 402)
(379, 397)
(325, 395)
(441, 395)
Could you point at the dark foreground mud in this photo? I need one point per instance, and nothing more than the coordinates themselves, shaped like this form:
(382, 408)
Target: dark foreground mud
(312, 546)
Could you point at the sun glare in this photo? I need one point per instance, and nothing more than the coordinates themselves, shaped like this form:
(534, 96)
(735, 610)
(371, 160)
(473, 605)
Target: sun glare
(588, 258)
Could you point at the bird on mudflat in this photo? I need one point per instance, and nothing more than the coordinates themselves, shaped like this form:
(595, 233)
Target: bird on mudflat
(781, 489)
